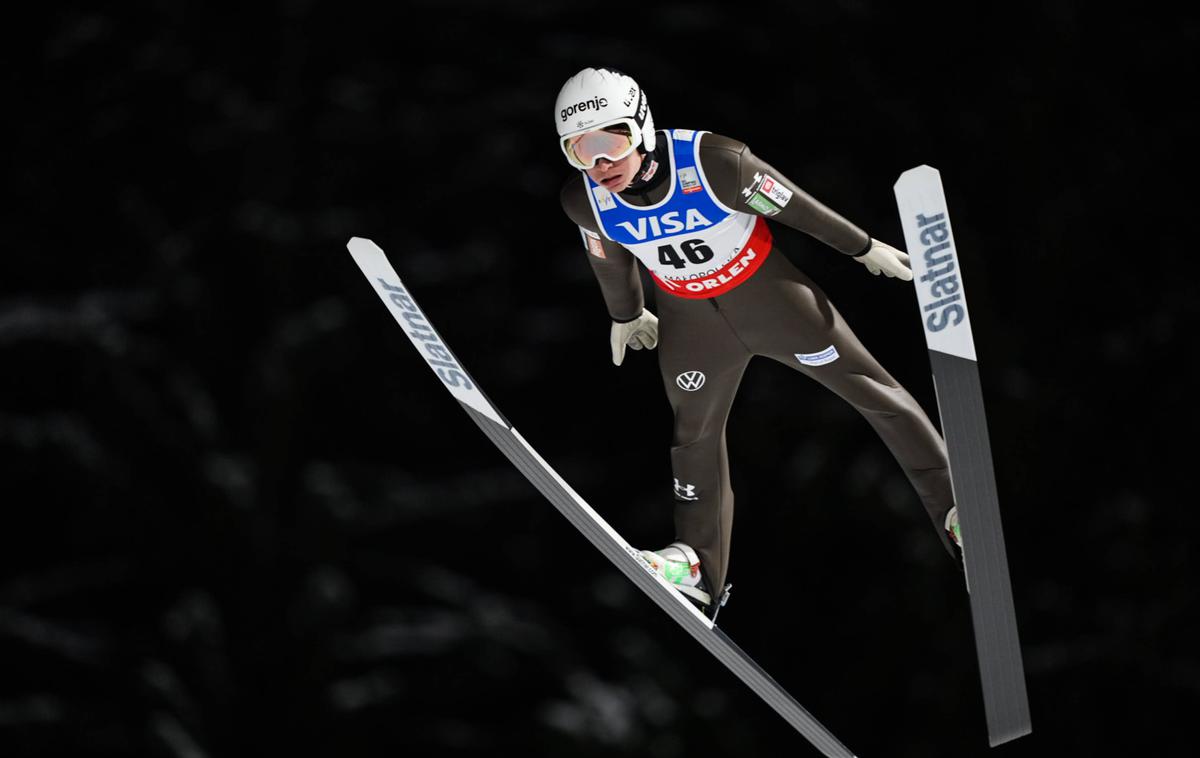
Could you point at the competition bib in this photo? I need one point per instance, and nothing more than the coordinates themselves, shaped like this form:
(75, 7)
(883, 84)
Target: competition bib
(693, 245)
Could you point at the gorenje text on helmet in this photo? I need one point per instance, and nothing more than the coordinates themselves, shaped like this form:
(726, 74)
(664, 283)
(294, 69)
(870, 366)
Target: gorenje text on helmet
(595, 103)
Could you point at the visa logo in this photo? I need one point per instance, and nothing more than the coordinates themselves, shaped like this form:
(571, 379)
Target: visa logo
(667, 223)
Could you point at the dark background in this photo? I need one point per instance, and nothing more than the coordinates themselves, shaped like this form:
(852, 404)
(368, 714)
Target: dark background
(243, 519)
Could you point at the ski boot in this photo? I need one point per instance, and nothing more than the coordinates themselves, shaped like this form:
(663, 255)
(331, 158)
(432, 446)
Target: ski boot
(680, 566)
(955, 533)
(952, 527)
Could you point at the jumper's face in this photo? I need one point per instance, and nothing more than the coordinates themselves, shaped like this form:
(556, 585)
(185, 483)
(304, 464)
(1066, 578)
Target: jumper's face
(609, 154)
(615, 176)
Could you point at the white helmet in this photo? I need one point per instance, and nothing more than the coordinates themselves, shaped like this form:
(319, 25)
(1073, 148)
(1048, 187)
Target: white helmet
(599, 97)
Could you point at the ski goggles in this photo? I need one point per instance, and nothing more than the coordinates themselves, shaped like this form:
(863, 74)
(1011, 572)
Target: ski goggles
(612, 141)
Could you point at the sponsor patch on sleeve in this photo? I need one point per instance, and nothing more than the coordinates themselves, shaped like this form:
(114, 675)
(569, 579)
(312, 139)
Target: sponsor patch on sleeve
(591, 242)
(828, 355)
(776, 191)
(762, 205)
(766, 194)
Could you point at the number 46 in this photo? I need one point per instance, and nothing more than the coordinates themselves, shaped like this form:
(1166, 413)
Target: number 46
(695, 250)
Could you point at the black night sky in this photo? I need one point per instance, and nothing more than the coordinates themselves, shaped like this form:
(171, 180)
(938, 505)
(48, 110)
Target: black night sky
(242, 518)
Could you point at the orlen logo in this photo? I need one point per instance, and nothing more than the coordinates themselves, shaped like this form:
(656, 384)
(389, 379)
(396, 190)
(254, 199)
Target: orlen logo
(596, 103)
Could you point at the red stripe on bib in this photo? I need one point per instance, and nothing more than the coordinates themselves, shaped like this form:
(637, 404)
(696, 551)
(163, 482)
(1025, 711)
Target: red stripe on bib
(733, 273)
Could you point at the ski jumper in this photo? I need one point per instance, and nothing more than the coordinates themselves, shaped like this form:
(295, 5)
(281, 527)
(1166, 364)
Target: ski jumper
(699, 227)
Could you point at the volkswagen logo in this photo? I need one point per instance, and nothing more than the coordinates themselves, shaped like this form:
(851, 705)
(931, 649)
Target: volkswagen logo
(690, 380)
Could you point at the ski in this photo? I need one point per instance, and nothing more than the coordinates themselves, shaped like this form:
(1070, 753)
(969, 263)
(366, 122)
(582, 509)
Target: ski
(449, 370)
(943, 307)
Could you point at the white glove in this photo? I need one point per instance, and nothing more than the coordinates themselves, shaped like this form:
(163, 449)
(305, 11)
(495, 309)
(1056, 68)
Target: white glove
(885, 258)
(639, 333)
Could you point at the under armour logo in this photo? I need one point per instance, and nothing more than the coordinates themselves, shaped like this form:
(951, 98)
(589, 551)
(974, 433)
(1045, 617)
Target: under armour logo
(690, 380)
(685, 491)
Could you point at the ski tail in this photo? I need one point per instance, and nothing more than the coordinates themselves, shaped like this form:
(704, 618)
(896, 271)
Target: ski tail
(941, 297)
(378, 270)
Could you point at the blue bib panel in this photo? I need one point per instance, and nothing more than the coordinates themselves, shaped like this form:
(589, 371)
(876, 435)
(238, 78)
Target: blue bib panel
(692, 244)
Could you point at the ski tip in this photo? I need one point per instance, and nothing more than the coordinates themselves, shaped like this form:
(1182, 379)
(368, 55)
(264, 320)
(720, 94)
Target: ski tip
(360, 244)
(922, 170)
